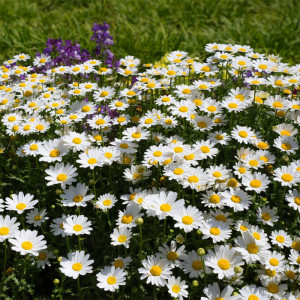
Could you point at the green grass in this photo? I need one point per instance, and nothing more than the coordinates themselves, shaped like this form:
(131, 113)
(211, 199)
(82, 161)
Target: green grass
(150, 28)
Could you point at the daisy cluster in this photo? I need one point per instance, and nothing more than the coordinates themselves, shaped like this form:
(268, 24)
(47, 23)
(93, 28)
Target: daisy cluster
(180, 178)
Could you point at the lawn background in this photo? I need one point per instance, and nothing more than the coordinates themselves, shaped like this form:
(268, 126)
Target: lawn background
(148, 29)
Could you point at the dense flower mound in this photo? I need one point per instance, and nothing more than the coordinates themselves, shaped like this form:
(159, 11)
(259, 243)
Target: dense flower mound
(179, 179)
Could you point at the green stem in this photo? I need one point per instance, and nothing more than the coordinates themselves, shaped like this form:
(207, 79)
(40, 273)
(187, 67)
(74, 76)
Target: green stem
(94, 185)
(79, 289)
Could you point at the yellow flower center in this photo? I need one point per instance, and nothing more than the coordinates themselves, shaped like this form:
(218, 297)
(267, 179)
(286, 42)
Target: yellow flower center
(243, 134)
(255, 183)
(119, 263)
(178, 149)
(272, 288)
(104, 94)
(253, 297)
(155, 270)
(42, 256)
(240, 97)
(151, 85)
(235, 199)
(12, 119)
(92, 161)
(165, 207)
(77, 227)
(171, 73)
(215, 231)
(280, 239)
(252, 248)
(187, 220)
(232, 105)
(37, 218)
(77, 198)
(183, 109)
(126, 219)
(217, 174)
(205, 149)
(61, 177)
(85, 108)
(4, 231)
(111, 280)
(202, 124)
(54, 153)
(107, 202)
(77, 141)
(243, 228)
(178, 171)
(286, 146)
(21, 206)
(297, 200)
(219, 137)
(27, 245)
(34, 147)
(122, 238)
(290, 274)
(285, 132)
(176, 288)
(263, 66)
(224, 264)
(157, 153)
(211, 108)
(205, 69)
(108, 155)
(253, 162)
(256, 235)
(100, 122)
(148, 121)
(274, 262)
(77, 267)
(136, 135)
(121, 119)
(193, 179)
(277, 104)
(266, 216)
(214, 199)
(186, 91)
(172, 255)
(197, 265)
(287, 177)
(131, 93)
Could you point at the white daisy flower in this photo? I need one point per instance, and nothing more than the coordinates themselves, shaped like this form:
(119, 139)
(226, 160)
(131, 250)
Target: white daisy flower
(217, 230)
(76, 196)
(281, 239)
(188, 218)
(77, 225)
(121, 262)
(287, 176)
(156, 270)
(237, 199)
(106, 202)
(213, 292)
(193, 264)
(177, 288)
(121, 236)
(8, 227)
(36, 217)
(293, 199)
(223, 260)
(257, 182)
(61, 174)
(43, 258)
(77, 263)
(28, 242)
(20, 202)
(110, 278)
(267, 215)
(172, 254)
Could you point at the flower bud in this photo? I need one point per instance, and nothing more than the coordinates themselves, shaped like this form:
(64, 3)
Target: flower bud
(58, 192)
(59, 259)
(91, 181)
(238, 269)
(56, 281)
(199, 232)
(201, 251)
(139, 221)
(195, 283)
(134, 290)
(55, 251)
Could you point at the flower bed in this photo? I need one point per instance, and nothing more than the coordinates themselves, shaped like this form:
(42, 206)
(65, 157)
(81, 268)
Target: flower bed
(126, 180)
